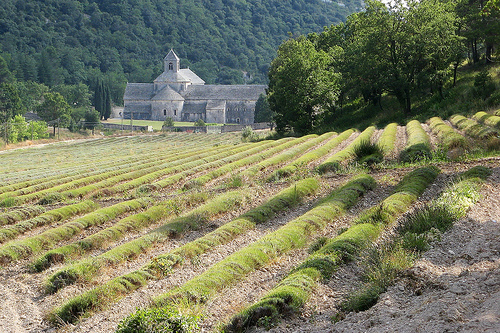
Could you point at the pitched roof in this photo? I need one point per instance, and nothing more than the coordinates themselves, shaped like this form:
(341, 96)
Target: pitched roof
(137, 108)
(138, 91)
(167, 94)
(225, 92)
(171, 56)
(171, 77)
(189, 74)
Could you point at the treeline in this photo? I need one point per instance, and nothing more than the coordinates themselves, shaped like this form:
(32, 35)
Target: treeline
(408, 49)
(56, 42)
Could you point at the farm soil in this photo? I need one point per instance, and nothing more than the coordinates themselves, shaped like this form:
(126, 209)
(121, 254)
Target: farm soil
(453, 287)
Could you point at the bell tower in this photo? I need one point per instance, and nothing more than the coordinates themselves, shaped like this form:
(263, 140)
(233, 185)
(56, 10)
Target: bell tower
(171, 62)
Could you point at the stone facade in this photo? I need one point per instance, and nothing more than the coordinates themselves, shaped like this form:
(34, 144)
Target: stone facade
(183, 96)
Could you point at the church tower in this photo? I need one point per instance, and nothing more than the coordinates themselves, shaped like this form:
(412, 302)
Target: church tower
(171, 62)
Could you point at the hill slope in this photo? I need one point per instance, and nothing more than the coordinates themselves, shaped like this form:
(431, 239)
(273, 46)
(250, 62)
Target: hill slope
(72, 41)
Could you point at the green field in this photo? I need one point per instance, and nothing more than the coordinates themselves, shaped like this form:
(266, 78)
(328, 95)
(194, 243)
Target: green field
(105, 220)
(156, 124)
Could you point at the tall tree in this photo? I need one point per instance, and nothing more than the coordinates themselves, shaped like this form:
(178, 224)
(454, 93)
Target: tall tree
(10, 102)
(53, 108)
(302, 85)
(401, 47)
(263, 112)
(5, 74)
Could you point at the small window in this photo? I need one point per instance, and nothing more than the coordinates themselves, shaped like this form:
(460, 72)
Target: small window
(237, 120)
(164, 112)
(175, 112)
(170, 66)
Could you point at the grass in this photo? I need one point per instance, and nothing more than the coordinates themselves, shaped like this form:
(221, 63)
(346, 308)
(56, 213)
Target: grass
(87, 269)
(95, 299)
(418, 146)
(13, 251)
(294, 234)
(332, 163)
(419, 228)
(449, 138)
(387, 140)
(155, 124)
(328, 254)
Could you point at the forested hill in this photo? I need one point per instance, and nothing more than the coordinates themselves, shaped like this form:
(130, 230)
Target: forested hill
(71, 41)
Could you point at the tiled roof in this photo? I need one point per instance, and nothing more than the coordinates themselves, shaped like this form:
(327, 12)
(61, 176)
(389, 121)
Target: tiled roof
(138, 91)
(224, 92)
(167, 94)
(171, 77)
(189, 74)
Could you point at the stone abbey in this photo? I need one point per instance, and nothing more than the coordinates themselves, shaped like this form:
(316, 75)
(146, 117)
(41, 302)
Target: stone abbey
(184, 96)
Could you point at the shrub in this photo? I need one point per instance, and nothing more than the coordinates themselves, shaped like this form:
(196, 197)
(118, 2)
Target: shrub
(165, 319)
(418, 146)
(368, 153)
(387, 140)
(448, 137)
(169, 122)
(200, 123)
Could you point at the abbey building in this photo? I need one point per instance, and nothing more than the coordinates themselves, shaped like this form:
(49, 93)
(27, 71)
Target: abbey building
(184, 96)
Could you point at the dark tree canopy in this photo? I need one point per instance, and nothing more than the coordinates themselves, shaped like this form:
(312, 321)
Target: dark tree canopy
(263, 112)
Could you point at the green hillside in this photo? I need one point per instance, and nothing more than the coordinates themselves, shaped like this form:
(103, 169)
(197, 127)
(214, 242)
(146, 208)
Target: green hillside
(68, 41)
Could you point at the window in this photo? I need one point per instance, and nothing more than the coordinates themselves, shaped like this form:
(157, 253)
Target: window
(237, 120)
(170, 67)
(175, 112)
(164, 112)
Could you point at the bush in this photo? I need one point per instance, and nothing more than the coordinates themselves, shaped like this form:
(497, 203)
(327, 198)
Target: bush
(418, 147)
(200, 123)
(169, 122)
(166, 319)
(368, 153)
(483, 85)
(248, 135)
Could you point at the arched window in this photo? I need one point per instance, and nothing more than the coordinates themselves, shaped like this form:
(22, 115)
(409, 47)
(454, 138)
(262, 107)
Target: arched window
(164, 112)
(170, 66)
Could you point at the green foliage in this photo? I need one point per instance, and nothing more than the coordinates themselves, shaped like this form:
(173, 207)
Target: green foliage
(483, 84)
(447, 135)
(418, 145)
(218, 40)
(367, 153)
(169, 122)
(53, 109)
(248, 135)
(263, 112)
(165, 319)
(297, 100)
(200, 123)
(10, 102)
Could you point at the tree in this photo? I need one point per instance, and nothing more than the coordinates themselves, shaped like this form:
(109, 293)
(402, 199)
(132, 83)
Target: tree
(102, 99)
(10, 102)
(5, 74)
(401, 48)
(92, 119)
(53, 109)
(31, 94)
(263, 112)
(302, 85)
